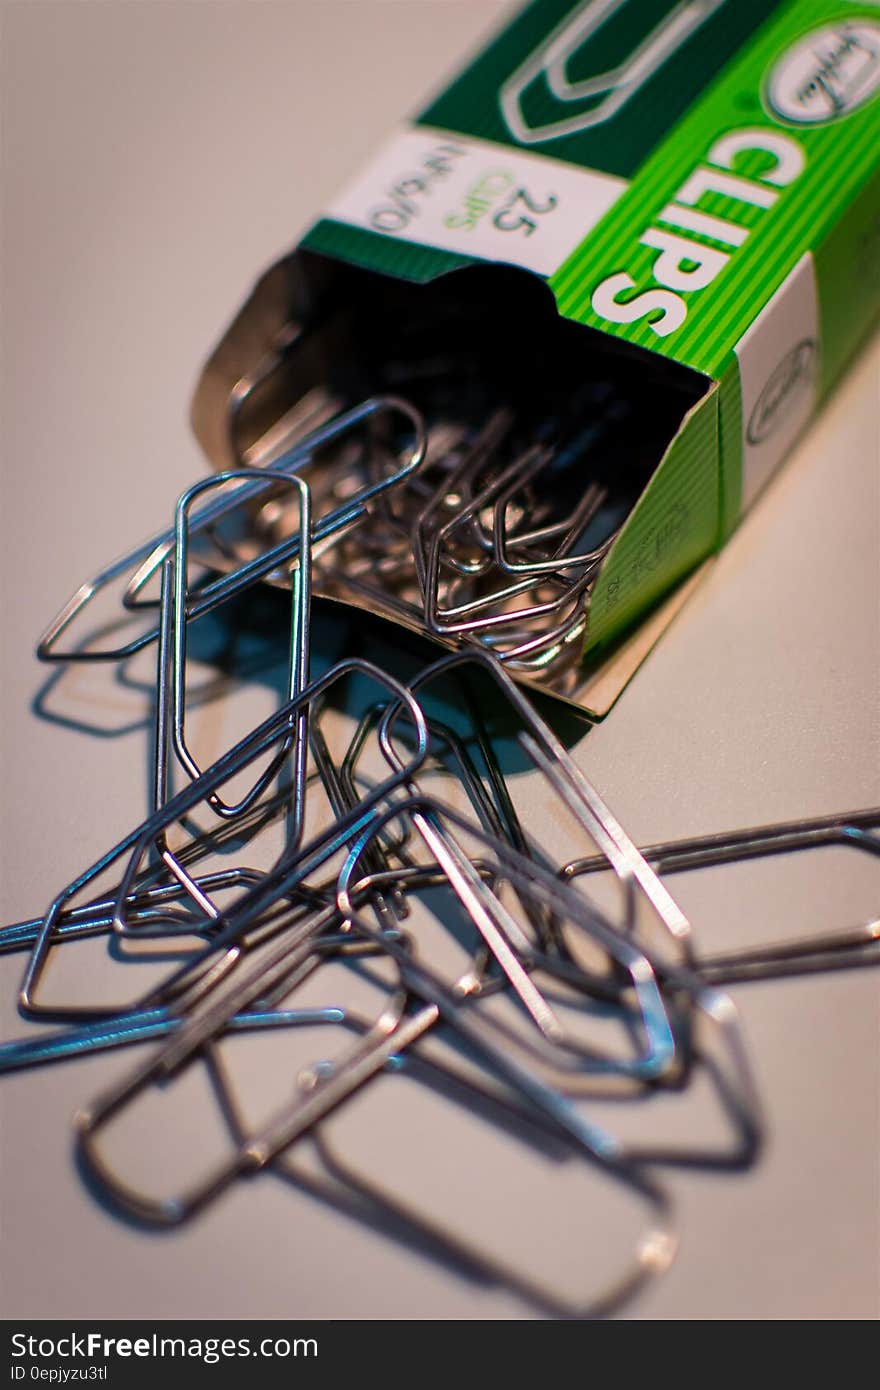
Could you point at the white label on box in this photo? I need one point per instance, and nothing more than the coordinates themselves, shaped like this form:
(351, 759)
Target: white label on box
(435, 188)
(778, 371)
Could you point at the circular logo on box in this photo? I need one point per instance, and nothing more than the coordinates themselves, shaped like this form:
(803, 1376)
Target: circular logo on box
(782, 391)
(826, 74)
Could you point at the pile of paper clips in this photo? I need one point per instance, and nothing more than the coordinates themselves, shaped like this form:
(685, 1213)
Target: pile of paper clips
(520, 964)
(479, 543)
(529, 465)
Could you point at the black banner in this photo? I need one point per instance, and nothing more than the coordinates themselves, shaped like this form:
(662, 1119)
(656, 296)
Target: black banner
(134, 1354)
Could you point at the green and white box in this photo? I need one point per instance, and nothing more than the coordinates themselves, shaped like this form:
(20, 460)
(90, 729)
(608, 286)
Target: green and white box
(696, 180)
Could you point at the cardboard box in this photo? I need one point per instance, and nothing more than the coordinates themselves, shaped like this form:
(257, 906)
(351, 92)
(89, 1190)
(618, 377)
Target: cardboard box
(696, 184)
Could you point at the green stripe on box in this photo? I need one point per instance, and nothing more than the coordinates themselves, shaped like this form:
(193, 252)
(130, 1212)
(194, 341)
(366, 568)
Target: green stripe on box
(839, 158)
(730, 448)
(848, 276)
(672, 528)
(407, 260)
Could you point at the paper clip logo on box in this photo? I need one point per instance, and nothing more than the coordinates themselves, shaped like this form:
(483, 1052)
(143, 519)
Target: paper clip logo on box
(607, 91)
